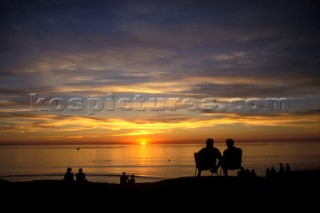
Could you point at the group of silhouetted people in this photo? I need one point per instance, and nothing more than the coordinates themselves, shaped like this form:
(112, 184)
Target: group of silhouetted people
(282, 171)
(124, 179)
(80, 176)
(206, 158)
(246, 172)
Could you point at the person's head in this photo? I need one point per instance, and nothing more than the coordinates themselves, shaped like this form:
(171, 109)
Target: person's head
(229, 143)
(80, 170)
(69, 169)
(132, 176)
(123, 173)
(209, 142)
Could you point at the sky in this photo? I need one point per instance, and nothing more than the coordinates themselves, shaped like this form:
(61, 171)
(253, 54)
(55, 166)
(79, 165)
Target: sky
(158, 71)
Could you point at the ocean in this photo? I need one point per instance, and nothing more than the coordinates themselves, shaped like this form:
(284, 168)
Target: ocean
(149, 163)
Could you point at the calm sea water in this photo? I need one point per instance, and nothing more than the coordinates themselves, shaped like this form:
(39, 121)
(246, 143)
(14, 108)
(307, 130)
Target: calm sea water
(152, 162)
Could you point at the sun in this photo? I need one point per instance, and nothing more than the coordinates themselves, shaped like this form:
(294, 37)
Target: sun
(143, 142)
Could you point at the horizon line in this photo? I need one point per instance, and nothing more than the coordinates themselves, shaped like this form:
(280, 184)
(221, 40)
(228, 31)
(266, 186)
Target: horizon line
(162, 142)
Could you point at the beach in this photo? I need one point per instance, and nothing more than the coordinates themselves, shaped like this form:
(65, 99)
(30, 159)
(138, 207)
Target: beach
(149, 163)
(159, 106)
(293, 190)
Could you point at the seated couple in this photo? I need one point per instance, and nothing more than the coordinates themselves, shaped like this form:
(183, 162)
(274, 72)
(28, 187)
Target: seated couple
(206, 158)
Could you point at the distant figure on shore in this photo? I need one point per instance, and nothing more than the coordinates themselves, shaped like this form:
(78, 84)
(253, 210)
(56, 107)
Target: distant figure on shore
(124, 179)
(68, 176)
(281, 169)
(247, 173)
(268, 172)
(207, 157)
(80, 176)
(253, 173)
(132, 180)
(287, 169)
(273, 172)
(232, 157)
(241, 172)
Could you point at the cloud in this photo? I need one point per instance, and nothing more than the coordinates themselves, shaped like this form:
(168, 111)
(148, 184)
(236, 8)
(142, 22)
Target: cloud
(229, 57)
(182, 49)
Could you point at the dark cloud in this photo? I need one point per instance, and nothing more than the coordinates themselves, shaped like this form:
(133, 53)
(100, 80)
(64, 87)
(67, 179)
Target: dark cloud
(234, 90)
(92, 47)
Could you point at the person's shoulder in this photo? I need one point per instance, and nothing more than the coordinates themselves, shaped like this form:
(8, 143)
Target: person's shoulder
(238, 148)
(203, 149)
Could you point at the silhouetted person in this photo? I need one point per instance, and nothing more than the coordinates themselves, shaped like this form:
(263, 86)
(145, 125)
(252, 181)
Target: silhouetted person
(80, 176)
(123, 179)
(281, 169)
(247, 173)
(241, 172)
(232, 157)
(132, 180)
(273, 172)
(287, 169)
(268, 172)
(68, 176)
(253, 173)
(207, 157)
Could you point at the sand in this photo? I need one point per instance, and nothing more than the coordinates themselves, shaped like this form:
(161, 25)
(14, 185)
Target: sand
(300, 189)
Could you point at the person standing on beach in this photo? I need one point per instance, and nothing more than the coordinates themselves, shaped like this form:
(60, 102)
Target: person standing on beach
(132, 180)
(273, 172)
(124, 179)
(287, 169)
(207, 157)
(268, 172)
(80, 176)
(281, 170)
(68, 176)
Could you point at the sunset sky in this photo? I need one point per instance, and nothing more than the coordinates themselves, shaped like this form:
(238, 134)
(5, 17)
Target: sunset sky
(223, 50)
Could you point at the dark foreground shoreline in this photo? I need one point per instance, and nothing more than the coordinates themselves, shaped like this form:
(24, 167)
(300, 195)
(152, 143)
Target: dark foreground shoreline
(299, 188)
